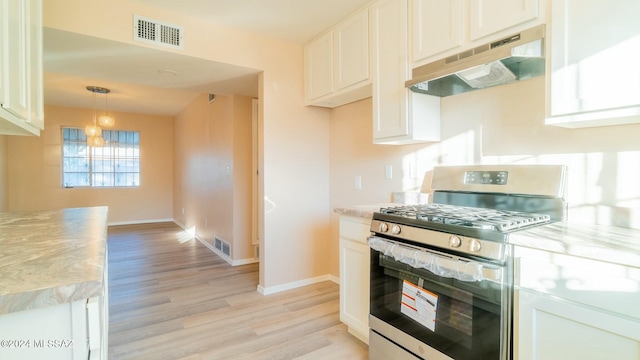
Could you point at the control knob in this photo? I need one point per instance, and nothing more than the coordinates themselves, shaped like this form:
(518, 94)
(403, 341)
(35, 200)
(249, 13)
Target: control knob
(474, 245)
(455, 241)
(383, 227)
(395, 229)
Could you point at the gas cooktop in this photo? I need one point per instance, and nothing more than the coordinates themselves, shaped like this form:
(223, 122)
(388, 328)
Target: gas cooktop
(467, 217)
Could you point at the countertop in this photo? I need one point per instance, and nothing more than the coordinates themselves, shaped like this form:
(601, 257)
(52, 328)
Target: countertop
(604, 243)
(363, 211)
(51, 257)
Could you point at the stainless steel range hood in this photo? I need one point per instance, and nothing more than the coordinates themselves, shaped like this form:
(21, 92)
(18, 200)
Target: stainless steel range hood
(514, 58)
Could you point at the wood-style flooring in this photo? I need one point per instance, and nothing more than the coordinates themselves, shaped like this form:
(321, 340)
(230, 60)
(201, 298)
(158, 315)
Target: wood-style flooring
(175, 299)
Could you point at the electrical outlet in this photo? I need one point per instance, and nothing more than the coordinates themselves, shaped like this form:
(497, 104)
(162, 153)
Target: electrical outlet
(206, 223)
(182, 211)
(358, 182)
(388, 172)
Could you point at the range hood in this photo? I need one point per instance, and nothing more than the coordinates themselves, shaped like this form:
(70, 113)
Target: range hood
(516, 57)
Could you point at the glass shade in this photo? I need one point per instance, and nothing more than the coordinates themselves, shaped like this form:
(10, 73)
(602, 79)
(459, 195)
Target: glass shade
(106, 120)
(95, 141)
(92, 130)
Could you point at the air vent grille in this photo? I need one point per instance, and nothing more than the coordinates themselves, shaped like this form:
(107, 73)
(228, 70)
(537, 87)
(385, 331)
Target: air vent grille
(157, 33)
(222, 246)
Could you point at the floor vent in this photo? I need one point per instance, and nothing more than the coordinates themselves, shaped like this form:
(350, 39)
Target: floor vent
(223, 246)
(156, 32)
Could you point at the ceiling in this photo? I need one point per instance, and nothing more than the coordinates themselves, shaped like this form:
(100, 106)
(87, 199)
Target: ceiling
(137, 75)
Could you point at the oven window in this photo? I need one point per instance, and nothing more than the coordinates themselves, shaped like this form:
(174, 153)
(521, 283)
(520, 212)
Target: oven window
(468, 315)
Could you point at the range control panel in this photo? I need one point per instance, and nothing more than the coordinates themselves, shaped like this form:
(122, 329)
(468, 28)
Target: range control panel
(486, 177)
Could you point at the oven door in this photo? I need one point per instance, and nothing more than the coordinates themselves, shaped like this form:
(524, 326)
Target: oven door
(423, 301)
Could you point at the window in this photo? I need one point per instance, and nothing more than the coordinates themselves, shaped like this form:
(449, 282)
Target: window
(116, 164)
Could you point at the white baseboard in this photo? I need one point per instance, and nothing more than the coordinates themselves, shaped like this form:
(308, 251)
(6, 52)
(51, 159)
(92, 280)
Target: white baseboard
(296, 284)
(136, 222)
(224, 257)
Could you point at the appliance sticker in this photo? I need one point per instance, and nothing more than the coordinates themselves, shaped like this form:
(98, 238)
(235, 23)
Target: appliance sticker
(419, 304)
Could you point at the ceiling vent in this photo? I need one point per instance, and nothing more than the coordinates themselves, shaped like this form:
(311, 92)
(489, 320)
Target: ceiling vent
(156, 32)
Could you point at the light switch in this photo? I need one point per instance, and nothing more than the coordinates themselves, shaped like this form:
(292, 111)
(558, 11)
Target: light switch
(358, 182)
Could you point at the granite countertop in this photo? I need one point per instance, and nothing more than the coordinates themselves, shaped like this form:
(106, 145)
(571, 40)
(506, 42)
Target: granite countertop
(51, 257)
(598, 242)
(363, 211)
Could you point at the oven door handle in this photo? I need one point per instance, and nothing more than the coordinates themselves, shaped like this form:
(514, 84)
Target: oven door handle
(440, 264)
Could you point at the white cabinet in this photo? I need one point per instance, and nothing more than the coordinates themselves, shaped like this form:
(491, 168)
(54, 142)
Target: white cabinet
(575, 308)
(21, 89)
(593, 78)
(555, 329)
(441, 28)
(436, 27)
(354, 275)
(58, 332)
(491, 16)
(399, 115)
(337, 69)
(319, 67)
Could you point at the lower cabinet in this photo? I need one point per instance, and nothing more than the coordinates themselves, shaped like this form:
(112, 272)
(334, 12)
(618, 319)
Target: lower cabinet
(568, 307)
(354, 275)
(551, 328)
(69, 331)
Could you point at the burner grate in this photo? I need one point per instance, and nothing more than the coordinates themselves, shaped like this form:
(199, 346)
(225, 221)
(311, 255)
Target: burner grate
(479, 218)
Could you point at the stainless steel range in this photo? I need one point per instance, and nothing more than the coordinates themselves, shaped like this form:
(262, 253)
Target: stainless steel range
(442, 273)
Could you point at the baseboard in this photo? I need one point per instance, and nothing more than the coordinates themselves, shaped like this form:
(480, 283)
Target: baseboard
(224, 257)
(136, 222)
(296, 284)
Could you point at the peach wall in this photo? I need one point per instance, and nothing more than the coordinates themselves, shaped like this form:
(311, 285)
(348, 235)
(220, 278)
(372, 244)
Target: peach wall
(498, 125)
(212, 161)
(34, 173)
(3, 173)
(293, 139)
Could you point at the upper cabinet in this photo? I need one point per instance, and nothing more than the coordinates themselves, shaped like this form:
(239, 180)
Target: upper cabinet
(440, 28)
(399, 115)
(593, 77)
(491, 16)
(437, 27)
(337, 69)
(21, 85)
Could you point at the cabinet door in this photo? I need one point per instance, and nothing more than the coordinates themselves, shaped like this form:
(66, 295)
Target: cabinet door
(35, 72)
(16, 58)
(352, 50)
(390, 66)
(436, 26)
(354, 285)
(593, 74)
(354, 275)
(319, 67)
(399, 115)
(489, 16)
(549, 328)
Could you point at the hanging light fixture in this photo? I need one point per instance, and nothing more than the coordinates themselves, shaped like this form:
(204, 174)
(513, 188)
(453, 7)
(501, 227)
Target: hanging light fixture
(106, 120)
(93, 131)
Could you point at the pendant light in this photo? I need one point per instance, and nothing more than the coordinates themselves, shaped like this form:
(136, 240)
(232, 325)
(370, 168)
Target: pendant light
(93, 131)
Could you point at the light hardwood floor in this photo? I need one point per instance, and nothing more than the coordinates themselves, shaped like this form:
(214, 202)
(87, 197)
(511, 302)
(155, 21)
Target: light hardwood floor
(173, 300)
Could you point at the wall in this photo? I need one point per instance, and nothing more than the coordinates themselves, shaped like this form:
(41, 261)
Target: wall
(499, 125)
(3, 173)
(212, 163)
(293, 139)
(34, 174)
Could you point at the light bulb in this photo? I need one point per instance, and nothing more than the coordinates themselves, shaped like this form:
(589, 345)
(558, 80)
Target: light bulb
(106, 120)
(95, 141)
(92, 130)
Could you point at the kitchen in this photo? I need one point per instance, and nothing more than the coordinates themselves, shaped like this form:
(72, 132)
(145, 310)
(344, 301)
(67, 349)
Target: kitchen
(326, 149)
